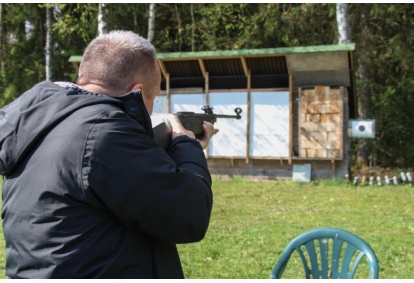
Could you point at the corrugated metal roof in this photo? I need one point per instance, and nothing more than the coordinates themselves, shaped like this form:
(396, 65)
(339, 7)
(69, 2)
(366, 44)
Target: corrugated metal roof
(224, 67)
(183, 68)
(268, 67)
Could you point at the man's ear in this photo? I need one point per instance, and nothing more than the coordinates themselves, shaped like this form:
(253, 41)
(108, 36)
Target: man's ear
(136, 86)
(148, 101)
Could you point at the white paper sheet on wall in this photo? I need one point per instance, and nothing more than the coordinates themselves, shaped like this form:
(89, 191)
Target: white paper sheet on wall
(187, 103)
(231, 139)
(269, 124)
(269, 121)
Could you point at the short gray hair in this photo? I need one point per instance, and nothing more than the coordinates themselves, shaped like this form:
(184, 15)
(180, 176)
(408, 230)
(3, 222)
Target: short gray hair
(115, 59)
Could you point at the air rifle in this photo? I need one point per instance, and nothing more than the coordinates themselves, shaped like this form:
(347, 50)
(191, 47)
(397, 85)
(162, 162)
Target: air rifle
(191, 121)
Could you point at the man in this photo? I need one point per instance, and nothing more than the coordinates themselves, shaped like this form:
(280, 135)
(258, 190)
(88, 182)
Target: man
(87, 193)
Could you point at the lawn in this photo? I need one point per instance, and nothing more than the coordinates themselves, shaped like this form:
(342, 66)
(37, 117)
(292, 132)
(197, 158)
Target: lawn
(253, 221)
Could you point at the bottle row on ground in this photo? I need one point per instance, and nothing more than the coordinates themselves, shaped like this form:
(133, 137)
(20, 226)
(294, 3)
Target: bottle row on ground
(404, 178)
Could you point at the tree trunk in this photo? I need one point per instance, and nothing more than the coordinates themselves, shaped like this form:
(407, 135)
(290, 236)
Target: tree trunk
(192, 27)
(48, 47)
(151, 22)
(101, 19)
(344, 37)
(343, 25)
(180, 29)
(363, 74)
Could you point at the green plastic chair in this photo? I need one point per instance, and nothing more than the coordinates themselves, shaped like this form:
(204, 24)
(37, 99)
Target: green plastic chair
(328, 253)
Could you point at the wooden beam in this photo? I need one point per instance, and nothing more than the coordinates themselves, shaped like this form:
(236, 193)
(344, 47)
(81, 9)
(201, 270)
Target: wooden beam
(202, 67)
(333, 169)
(245, 67)
(204, 72)
(344, 130)
(163, 69)
(207, 87)
(247, 73)
(249, 82)
(299, 123)
(287, 65)
(76, 66)
(291, 113)
(167, 92)
(290, 120)
(206, 102)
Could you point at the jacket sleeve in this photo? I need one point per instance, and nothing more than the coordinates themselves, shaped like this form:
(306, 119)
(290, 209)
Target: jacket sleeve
(164, 194)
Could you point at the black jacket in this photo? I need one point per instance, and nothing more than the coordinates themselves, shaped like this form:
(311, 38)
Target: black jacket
(87, 193)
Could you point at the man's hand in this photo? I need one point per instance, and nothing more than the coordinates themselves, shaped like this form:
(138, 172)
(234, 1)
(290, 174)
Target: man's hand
(177, 127)
(179, 130)
(209, 131)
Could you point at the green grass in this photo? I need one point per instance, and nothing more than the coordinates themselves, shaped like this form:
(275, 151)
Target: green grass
(253, 221)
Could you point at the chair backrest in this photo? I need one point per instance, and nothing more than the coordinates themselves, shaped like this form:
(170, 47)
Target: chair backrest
(328, 253)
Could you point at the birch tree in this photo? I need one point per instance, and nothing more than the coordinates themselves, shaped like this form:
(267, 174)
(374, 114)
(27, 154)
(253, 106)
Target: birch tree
(48, 47)
(101, 19)
(342, 22)
(344, 37)
(151, 22)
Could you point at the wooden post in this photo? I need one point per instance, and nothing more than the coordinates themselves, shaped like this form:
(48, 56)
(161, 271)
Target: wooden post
(299, 123)
(167, 92)
(333, 169)
(207, 88)
(249, 81)
(344, 130)
(290, 120)
(247, 73)
(167, 84)
(206, 81)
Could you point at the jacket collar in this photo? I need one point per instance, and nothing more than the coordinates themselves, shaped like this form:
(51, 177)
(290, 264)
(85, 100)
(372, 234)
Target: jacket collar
(133, 105)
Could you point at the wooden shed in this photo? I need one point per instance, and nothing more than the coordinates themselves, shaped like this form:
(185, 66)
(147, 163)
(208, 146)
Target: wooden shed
(296, 104)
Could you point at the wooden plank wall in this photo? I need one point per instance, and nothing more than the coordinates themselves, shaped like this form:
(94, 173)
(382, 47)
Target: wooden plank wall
(321, 122)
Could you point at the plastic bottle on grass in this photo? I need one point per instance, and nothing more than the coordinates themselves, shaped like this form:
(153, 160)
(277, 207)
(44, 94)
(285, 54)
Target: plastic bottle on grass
(387, 180)
(379, 182)
(395, 180)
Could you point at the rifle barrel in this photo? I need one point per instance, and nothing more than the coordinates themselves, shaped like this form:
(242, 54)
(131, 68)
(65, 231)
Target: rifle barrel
(209, 110)
(227, 116)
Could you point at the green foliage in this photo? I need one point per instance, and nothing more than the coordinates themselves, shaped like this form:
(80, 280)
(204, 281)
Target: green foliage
(76, 20)
(252, 222)
(9, 94)
(222, 26)
(23, 51)
(128, 17)
(308, 24)
(384, 40)
(389, 57)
